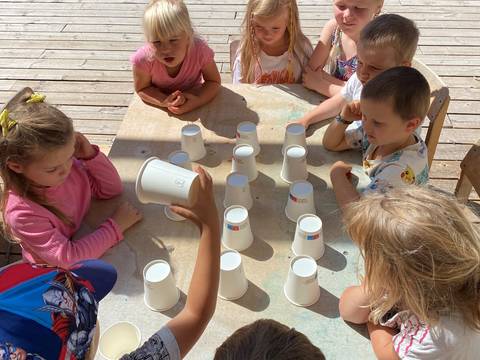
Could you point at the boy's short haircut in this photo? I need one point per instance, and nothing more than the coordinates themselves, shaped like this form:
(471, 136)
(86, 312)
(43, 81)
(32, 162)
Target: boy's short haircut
(269, 340)
(406, 89)
(391, 30)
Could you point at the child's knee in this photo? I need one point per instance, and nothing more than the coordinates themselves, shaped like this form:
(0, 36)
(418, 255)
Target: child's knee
(353, 305)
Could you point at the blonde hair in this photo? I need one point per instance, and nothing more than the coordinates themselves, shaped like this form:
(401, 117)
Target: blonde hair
(421, 254)
(249, 48)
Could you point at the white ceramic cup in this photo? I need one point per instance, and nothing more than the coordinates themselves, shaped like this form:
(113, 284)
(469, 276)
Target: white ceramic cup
(192, 142)
(237, 234)
(233, 283)
(247, 134)
(294, 135)
(244, 161)
(308, 238)
(237, 191)
(301, 287)
(161, 293)
(163, 183)
(180, 158)
(119, 339)
(300, 200)
(294, 164)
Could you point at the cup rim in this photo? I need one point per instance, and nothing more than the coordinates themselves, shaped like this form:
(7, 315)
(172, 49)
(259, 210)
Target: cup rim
(231, 208)
(298, 257)
(190, 125)
(138, 188)
(292, 185)
(173, 153)
(135, 327)
(297, 125)
(150, 264)
(247, 122)
(311, 215)
(242, 145)
(296, 145)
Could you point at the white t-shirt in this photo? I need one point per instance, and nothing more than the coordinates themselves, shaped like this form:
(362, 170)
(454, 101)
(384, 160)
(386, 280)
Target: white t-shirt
(352, 89)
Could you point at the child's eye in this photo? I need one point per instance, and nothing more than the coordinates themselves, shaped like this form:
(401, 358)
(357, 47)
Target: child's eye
(376, 123)
(51, 171)
(341, 7)
(173, 40)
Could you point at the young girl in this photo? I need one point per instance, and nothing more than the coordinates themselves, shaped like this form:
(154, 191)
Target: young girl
(50, 173)
(273, 49)
(421, 291)
(175, 69)
(336, 50)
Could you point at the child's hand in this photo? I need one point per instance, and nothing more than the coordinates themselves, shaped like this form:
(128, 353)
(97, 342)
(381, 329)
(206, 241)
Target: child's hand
(341, 169)
(351, 112)
(174, 99)
(83, 148)
(191, 102)
(302, 121)
(311, 79)
(126, 216)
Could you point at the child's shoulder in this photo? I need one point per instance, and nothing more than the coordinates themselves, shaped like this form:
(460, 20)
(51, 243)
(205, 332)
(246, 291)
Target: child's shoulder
(330, 27)
(143, 55)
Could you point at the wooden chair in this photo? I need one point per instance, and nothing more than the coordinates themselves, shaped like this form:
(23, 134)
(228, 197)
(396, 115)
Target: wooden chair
(233, 52)
(470, 175)
(439, 101)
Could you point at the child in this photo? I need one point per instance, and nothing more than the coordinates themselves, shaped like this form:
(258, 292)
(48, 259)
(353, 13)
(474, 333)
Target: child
(50, 173)
(421, 290)
(387, 41)
(392, 107)
(176, 69)
(273, 49)
(337, 47)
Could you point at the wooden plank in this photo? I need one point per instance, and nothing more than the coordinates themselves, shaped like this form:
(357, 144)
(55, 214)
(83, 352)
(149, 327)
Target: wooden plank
(94, 112)
(451, 152)
(65, 74)
(445, 170)
(464, 121)
(75, 86)
(449, 187)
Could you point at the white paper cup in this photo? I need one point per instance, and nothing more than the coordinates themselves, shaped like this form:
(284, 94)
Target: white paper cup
(308, 238)
(301, 287)
(237, 234)
(247, 134)
(171, 215)
(161, 293)
(192, 142)
(294, 135)
(244, 161)
(163, 183)
(180, 158)
(294, 164)
(237, 191)
(119, 339)
(300, 200)
(233, 283)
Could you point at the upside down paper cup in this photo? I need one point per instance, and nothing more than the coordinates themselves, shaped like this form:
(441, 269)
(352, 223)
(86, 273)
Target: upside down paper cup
(300, 200)
(237, 191)
(244, 161)
(119, 339)
(233, 283)
(294, 135)
(192, 142)
(309, 237)
(182, 159)
(294, 164)
(237, 234)
(301, 287)
(247, 134)
(161, 293)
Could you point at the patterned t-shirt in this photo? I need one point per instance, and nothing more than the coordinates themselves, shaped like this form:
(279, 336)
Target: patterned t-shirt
(160, 346)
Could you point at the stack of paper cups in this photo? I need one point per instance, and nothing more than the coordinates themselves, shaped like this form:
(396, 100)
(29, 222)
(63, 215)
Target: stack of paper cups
(294, 164)
(244, 161)
(300, 200)
(237, 234)
(301, 287)
(294, 135)
(119, 339)
(247, 134)
(192, 142)
(237, 191)
(233, 283)
(179, 158)
(161, 293)
(309, 237)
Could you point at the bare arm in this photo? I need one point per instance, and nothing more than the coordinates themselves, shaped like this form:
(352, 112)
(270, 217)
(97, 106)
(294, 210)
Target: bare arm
(382, 341)
(320, 54)
(345, 192)
(327, 109)
(334, 137)
(147, 91)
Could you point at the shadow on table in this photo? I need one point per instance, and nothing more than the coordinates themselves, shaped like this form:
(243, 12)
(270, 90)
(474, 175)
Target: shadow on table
(301, 93)
(327, 305)
(255, 299)
(360, 329)
(332, 260)
(260, 250)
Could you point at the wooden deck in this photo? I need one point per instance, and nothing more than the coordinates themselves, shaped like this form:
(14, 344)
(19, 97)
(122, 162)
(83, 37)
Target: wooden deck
(76, 52)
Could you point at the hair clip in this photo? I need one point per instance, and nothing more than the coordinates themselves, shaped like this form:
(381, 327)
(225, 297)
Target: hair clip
(36, 98)
(6, 123)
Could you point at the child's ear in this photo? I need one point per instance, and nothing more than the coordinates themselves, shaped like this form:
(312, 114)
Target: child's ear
(15, 167)
(406, 63)
(413, 124)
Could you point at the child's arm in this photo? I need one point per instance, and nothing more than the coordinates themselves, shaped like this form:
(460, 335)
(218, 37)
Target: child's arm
(382, 341)
(325, 110)
(345, 192)
(320, 54)
(334, 138)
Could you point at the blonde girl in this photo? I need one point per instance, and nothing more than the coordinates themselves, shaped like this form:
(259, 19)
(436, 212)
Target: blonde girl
(334, 60)
(175, 70)
(420, 295)
(273, 48)
(50, 173)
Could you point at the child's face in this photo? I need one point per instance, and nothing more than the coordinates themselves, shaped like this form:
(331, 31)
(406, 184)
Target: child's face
(372, 62)
(270, 31)
(171, 52)
(353, 15)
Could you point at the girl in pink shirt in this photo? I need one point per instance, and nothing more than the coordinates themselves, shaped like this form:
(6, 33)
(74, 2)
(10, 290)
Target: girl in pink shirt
(50, 173)
(175, 69)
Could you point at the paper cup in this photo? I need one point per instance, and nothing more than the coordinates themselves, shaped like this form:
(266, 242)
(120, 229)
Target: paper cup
(237, 191)
(294, 135)
(244, 161)
(161, 293)
(171, 215)
(300, 200)
(119, 339)
(192, 142)
(237, 234)
(233, 283)
(301, 287)
(247, 134)
(308, 238)
(294, 164)
(163, 183)
(180, 158)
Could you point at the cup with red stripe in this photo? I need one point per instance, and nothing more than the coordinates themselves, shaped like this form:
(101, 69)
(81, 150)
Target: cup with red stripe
(237, 234)
(247, 134)
(308, 238)
(300, 200)
(294, 135)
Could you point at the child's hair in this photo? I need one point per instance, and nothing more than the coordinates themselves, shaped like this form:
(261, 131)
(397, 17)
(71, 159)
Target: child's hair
(404, 87)
(394, 31)
(269, 340)
(249, 49)
(37, 128)
(421, 254)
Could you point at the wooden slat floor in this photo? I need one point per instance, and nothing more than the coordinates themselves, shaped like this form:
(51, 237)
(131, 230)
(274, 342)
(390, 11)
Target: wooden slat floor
(76, 52)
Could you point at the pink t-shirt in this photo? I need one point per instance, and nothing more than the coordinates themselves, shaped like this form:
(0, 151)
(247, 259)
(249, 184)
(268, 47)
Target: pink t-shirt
(45, 238)
(190, 74)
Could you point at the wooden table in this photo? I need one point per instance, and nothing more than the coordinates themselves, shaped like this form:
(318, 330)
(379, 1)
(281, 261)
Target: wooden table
(147, 131)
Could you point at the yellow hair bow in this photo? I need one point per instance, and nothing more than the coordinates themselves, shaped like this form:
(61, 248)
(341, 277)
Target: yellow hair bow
(6, 123)
(36, 98)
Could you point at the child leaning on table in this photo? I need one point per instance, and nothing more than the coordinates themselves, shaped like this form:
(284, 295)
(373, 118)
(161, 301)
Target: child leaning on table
(387, 41)
(392, 107)
(420, 296)
(175, 69)
(50, 173)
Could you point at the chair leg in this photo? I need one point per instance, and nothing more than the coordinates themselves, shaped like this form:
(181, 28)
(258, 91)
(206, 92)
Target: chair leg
(464, 187)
